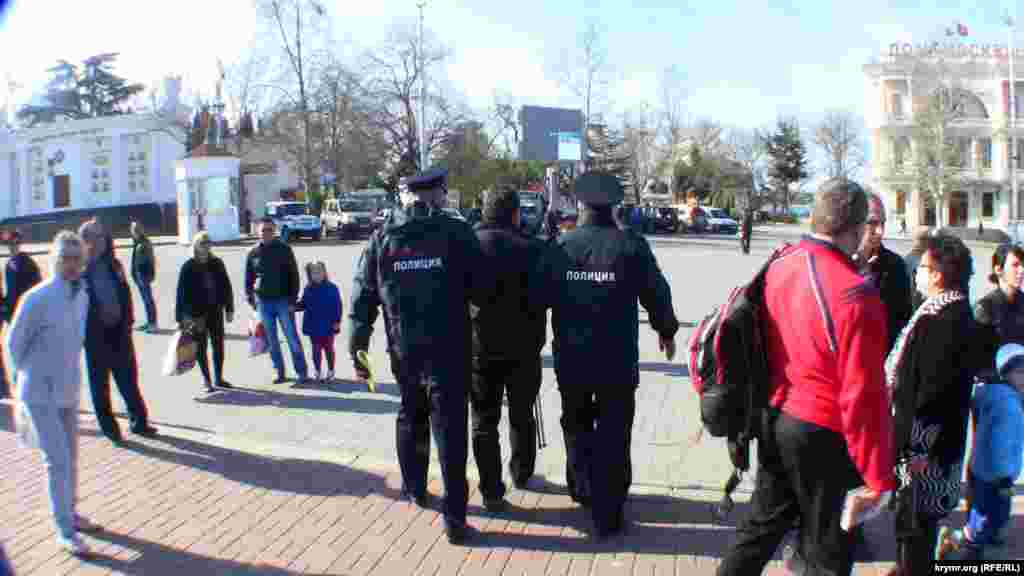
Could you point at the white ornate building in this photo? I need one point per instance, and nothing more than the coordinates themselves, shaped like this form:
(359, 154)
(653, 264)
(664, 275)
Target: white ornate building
(898, 87)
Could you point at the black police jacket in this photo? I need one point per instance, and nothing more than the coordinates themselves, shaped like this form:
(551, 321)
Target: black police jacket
(423, 268)
(591, 279)
(504, 325)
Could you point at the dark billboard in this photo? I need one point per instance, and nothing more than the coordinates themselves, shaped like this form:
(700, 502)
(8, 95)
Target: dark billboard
(550, 134)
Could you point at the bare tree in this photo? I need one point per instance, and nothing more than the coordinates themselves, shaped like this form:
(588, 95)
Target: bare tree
(296, 24)
(243, 80)
(838, 135)
(392, 74)
(586, 75)
(747, 146)
(671, 124)
(639, 134)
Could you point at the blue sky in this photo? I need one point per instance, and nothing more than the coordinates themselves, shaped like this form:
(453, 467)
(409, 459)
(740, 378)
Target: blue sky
(744, 62)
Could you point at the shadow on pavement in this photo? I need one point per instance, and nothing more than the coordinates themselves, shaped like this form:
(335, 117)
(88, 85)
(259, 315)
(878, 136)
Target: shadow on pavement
(155, 558)
(676, 369)
(251, 397)
(345, 386)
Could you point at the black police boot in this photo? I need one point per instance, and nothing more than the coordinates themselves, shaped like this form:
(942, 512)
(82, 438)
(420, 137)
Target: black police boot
(457, 532)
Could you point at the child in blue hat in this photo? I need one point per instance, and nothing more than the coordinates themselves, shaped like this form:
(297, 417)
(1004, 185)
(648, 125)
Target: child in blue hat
(996, 458)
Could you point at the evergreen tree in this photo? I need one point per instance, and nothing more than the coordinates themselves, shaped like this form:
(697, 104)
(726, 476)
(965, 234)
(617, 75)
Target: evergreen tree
(787, 155)
(89, 91)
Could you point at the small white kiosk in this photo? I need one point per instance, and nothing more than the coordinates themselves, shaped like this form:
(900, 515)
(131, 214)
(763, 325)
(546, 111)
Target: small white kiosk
(207, 189)
(207, 184)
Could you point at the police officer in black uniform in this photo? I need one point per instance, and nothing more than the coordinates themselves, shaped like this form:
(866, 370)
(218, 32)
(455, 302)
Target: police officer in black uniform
(424, 267)
(592, 278)
(508, 337)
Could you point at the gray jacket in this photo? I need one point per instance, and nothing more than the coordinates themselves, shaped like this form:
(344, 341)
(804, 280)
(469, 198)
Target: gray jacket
(45, 342)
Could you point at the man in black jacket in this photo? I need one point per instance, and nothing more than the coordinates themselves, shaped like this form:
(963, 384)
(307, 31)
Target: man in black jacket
(108, 335)
(507, 339)
(886, 270)
(592, 278)
(424, 268)
(272, 288)
(143, 267)
(20, 274)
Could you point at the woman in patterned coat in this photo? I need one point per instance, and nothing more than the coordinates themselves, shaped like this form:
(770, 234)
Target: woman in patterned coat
(930, 372)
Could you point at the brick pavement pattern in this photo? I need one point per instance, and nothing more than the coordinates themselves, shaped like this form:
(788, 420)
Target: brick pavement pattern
(175, 505)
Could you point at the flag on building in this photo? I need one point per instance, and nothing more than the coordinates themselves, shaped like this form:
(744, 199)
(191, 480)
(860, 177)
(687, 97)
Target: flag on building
(961, 29)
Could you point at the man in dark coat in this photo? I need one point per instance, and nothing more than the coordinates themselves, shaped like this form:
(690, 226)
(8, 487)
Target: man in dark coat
(592, 278)
(108, 335)
(272, 290)
(507, 339)
(424, 268)
(20, 274)
(143, 267)
(885, 269)
(748, 229)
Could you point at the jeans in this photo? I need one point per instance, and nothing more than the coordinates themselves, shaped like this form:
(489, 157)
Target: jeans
(57, 430)
(273, 310)
(146, 290)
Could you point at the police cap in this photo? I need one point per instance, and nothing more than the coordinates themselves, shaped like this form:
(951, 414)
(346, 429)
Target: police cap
(598, 189)
(426, 181)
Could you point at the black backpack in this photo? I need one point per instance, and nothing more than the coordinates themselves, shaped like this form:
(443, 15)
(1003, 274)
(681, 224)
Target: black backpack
(729, 370)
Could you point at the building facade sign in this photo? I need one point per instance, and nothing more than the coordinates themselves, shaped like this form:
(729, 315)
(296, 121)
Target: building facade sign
(952, 50)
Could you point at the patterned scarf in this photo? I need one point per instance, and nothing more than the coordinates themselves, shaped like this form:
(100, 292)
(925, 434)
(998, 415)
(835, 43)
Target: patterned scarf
(936, 489)
(932, 306)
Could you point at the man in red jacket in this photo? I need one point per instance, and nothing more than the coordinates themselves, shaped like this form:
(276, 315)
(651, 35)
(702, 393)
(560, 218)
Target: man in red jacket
(829, 425)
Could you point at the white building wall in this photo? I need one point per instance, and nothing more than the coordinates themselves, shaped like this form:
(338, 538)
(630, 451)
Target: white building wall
(111, 161)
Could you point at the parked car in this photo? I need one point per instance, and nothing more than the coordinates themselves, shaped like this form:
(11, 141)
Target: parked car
(660, 219)
(293, 220)
(347, 218)
(693, 219)
(720, 223)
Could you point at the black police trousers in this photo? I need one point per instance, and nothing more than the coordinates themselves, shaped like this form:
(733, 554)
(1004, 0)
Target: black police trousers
(804, 472)
(111, 352)
(430, 402)
(596, 424)
(492, 379)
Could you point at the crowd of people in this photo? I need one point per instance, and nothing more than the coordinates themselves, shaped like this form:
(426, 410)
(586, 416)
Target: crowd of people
(876, 362)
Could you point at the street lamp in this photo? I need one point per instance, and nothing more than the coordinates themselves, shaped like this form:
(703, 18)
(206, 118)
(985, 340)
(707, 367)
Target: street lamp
(423, 95)
(1012, 108)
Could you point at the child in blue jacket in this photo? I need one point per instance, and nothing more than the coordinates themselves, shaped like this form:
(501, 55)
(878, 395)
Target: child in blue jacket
(321, 321)
(996, 458)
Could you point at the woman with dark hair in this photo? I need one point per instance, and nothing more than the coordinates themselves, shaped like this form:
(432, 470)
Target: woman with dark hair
(930, 372)
(204, 298)
(1000, 313)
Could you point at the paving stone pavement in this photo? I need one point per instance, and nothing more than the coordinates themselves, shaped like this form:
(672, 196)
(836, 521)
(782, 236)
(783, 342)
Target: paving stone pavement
(302, 480)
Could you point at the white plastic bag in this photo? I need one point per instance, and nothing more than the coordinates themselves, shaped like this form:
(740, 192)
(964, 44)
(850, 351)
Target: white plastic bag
(257, 337)
(181, 354)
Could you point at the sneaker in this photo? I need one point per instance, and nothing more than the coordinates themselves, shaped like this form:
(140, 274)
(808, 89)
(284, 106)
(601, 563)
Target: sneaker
(420, 500)
(208, 388)
(73, 545)
(280, 379)
(949, 541)
(83, 524)
(224, 384)
(316, 376)
(330, 376)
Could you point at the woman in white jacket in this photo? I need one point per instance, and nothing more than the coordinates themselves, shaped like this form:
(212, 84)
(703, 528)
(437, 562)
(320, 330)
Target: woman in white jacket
(45, 342)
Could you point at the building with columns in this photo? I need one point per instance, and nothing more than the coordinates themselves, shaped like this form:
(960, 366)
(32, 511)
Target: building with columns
(897, 91)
